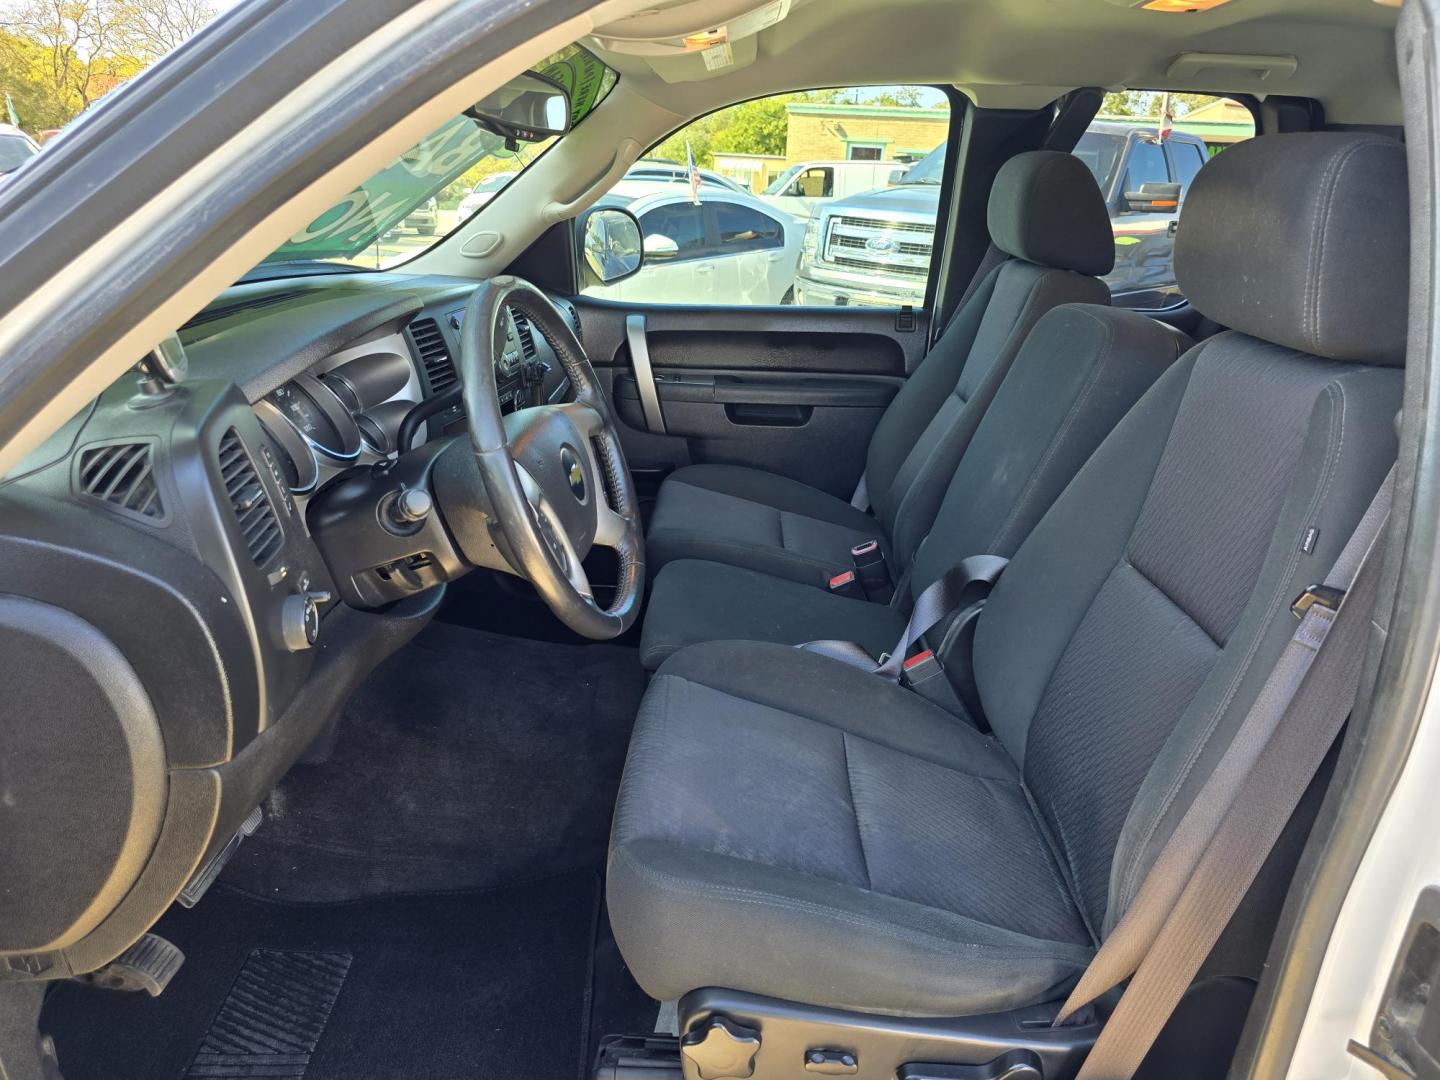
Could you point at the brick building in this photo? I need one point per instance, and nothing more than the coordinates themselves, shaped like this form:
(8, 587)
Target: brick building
(863, 132)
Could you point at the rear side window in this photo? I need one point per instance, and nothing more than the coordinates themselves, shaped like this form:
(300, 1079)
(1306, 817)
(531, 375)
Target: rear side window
(744, 229)
(683, 223)
(829, 199)
(1147, 137)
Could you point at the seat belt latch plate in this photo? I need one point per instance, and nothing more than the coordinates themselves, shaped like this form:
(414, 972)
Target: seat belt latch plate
(870, 568)
(1327, 596)
(846, 584)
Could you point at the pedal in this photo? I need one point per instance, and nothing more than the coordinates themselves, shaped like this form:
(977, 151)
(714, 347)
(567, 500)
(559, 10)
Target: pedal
(638, 1057)
(148, 965)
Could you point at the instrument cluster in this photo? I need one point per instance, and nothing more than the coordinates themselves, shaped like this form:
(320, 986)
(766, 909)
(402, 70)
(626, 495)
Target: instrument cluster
(349, 408)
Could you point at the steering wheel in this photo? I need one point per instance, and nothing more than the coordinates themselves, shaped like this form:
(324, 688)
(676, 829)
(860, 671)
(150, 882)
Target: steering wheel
(555, 475)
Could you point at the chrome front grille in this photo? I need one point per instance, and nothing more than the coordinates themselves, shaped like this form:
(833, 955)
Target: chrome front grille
(877, 245)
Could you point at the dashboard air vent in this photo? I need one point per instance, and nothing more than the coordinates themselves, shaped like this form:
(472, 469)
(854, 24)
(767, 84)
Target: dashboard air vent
(569, 309)
(434, 354)
(526, 335)
(122, 475)
(253, 512)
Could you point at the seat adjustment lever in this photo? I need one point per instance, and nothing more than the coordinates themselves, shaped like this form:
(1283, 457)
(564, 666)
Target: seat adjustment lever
(1016, 1065)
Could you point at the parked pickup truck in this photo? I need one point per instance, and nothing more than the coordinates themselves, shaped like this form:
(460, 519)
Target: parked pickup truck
(874, 249)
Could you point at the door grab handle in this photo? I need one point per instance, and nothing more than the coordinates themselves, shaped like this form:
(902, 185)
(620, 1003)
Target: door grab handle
(644, 373)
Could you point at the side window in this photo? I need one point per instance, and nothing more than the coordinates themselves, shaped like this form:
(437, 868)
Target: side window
(683, 224)
(1146, 165)
(814, 184)
(823, 197)
(1188, 129)
(742, 228)
(1187, 159)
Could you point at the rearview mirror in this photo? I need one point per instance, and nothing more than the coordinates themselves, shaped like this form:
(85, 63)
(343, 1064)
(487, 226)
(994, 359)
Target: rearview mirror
(1154, 198)
(610, 242)
(528, 108)
(660, 247)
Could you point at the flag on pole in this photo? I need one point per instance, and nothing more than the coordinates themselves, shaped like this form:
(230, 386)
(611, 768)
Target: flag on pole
(1167, 125)
(692, 174)
(10, 111)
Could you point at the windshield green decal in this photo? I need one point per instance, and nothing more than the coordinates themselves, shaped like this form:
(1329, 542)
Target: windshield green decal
(387, 198)
(398, 191)
(583, 77)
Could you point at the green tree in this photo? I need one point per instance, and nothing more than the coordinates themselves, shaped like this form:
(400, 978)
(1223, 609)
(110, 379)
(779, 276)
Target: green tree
(1149, 103)
(57, 57)
(756, 127)
(160, 26)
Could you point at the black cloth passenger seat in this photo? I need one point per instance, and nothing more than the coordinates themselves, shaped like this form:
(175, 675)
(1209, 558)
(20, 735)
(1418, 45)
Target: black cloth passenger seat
(1078, 373)
(1046, 212)
(794, 827)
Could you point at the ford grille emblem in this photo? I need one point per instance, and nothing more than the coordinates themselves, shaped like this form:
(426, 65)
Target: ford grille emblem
(880, 244)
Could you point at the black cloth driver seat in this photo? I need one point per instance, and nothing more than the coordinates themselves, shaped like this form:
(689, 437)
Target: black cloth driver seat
(1046, 212)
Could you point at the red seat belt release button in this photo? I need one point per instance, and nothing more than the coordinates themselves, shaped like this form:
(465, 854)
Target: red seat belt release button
(923, 674)
(846, 584)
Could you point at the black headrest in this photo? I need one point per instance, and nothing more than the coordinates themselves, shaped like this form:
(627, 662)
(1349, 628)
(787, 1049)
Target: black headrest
(1303, 240)
(1046, 208)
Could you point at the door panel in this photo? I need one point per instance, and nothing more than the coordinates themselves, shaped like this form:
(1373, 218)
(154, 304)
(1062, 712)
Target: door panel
(786, 389)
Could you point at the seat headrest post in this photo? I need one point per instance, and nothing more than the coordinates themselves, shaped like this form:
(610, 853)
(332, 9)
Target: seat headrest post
(1303, 240)
(1046, 208)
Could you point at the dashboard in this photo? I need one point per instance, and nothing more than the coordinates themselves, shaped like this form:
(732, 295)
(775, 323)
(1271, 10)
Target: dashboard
(175, 638)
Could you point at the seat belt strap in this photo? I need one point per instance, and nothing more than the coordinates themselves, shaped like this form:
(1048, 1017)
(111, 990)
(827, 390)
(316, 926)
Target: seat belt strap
(861, 499)
(992, 258)
(957, 588)
(1208, 864)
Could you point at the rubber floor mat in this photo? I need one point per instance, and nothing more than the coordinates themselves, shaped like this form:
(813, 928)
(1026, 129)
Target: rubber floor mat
(481, 984)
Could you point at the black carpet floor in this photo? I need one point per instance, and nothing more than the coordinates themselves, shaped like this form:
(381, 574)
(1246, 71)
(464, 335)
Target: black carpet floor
(480, 984)
(438, 876)
(466, 760)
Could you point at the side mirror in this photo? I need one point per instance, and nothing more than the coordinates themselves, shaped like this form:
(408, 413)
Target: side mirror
(528, 108)
(895, 175)
(1154, 198)
(660, 247)
(610, 246)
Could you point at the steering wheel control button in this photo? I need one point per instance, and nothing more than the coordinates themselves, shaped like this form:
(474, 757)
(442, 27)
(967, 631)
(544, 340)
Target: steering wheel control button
(552, 538)
(300, 619)
(574, 473)
(721, 1049)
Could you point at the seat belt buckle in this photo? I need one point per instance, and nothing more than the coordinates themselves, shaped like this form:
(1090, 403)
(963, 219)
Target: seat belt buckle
(923, 674)
(846, 583)
(1326, 596)
(870, 568)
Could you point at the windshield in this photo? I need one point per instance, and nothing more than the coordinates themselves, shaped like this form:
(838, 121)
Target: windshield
(416, 201)
(15, 150)
(1100, 153)
(928, 170)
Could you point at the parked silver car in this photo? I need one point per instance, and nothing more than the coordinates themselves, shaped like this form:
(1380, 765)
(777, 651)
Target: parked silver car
(730, 248)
